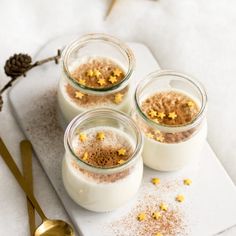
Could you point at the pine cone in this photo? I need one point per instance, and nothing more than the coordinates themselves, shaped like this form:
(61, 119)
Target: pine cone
(17, 65)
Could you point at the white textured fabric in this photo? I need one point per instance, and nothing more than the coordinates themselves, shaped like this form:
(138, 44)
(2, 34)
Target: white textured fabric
(197, 37)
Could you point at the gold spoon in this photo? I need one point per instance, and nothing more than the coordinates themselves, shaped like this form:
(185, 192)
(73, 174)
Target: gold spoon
(26, 157)
(48, 227)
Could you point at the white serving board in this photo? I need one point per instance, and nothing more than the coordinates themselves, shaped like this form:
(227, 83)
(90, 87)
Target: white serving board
(210, 202)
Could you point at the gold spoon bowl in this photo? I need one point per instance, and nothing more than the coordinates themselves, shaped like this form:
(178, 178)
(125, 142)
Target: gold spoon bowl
(48, 227)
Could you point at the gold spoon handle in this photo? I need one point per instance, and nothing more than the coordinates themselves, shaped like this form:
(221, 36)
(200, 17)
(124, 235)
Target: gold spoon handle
(20, 179)
(26, 157)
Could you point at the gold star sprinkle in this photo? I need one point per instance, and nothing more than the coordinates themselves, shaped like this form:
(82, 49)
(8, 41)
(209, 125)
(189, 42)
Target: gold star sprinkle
(160, 138)
(121, 152)
(141, 216)
(150, 135)
(179, 198)
(158, 234)
(157, 121)
(102, 82)
(100, 136)
(82, 137)
(90, 73)
(156, 215)
(121, 161)
(157, 131)
(97, 73)
(172, 115)
(85, 156)
(79, 95)
(152, 113)
(187, 181)
(118, 98)
(82, 81)
(112, 79)
(161, 115)
(117, 72)
(156, 181)
(163, 207)
(190, 104)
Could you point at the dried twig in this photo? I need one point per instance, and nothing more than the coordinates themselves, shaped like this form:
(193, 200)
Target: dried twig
(15, 67)
(113, 2)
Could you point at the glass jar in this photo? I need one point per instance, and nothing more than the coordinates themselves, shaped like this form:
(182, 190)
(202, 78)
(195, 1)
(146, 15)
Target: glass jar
(96, 71)
(169, 146)
(96, 187)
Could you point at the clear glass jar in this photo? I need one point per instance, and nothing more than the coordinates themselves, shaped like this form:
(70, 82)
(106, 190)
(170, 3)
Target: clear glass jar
(96, 187)
(170, 147)
(103, 52)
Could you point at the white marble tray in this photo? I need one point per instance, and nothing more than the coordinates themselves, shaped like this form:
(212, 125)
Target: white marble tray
(210, 202)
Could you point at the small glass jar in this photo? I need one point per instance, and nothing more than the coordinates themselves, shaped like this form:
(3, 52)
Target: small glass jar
(105, 53)
(100, 188)
(170, 147)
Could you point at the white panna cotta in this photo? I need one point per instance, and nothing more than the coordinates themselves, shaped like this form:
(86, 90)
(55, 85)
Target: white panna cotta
(171, 119)
(96, 73)
(111, 181)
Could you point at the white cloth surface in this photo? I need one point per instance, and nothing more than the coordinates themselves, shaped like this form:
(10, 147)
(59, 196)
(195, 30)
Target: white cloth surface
(196, 37)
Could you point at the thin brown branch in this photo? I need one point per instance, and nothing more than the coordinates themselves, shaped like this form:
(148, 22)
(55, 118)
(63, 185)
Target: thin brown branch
(37, 63)
(113, 2)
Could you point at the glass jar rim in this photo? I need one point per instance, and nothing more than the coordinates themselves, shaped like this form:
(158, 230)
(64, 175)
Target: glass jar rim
(173, 128)
(125, 50)
(103, 112)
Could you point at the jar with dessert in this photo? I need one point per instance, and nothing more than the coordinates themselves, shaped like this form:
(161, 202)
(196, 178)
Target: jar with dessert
(102, 168)
(170, 109)
(96, 72)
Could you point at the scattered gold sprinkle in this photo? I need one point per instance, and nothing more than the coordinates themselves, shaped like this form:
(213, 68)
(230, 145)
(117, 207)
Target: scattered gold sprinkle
(141, 216)
(160, 138)
(82, 137)
(102, 82)
(90, 73)
(190, 104)
(158, 234)
(79, 95)
(121, 161)
(152, 113)
(156, 181)
(157, 131)
(118, 98)
(187, 181)
(112, 79)
(117, 72)
(156, 215)
(85, 156)
(150, 135)
(172, 115)
(157, 121)
(82, 81)
(122, 152)
(163, 207)
(161, 115)
(97, 73)
(179, 198)
(100, 136)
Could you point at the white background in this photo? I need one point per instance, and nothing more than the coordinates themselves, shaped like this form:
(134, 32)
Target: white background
(197, 37)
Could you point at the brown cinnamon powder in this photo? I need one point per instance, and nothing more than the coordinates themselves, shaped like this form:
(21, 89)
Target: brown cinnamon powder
(98, 73)
(160, 107)
(170, 223)
(104, 67)
(95, 100)
(104, 153)
(168, 102)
